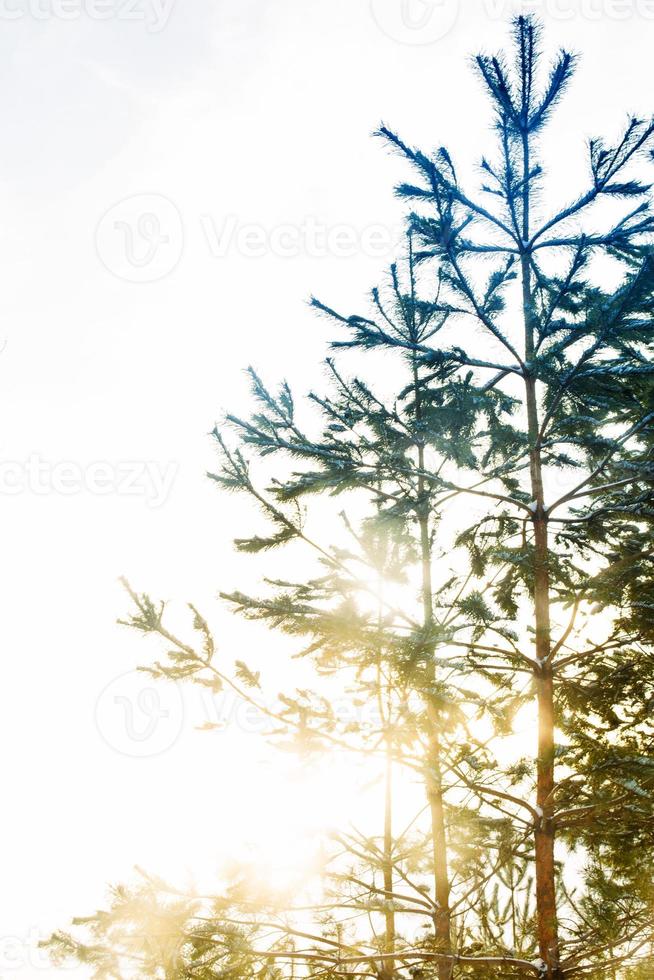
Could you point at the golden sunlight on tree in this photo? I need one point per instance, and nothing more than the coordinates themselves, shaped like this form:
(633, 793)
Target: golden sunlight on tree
(453, 540)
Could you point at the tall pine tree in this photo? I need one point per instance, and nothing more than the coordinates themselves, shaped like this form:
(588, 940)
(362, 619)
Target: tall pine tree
(499, 478)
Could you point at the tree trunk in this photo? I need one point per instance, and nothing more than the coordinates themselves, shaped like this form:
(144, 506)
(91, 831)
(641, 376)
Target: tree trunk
(434, 786)
(442, 923)
(545, 870)
(389, 914)
(544, 830)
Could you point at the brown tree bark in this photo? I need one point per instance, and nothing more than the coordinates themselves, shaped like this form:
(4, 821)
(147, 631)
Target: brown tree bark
(389, 914)
(544, 836)
(434, 785)
(442, 918)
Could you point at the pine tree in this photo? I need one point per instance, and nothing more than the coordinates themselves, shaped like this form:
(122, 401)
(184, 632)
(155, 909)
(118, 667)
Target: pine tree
(375, 457)
(520, 388)
(582, 357)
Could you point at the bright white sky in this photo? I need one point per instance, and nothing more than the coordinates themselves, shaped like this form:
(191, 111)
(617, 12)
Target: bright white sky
(236, 113)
